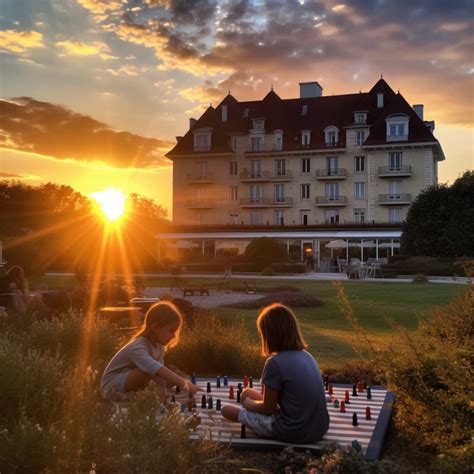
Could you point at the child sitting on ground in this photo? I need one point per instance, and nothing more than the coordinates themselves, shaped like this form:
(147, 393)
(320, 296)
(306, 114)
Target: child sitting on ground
(141, 360)
(292, 407)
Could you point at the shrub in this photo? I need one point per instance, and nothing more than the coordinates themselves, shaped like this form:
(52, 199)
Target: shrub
(419, 278)
(289, 267)
(289, 298)
(268, 271)
(426, 265)
(264, 251)
(215, 347)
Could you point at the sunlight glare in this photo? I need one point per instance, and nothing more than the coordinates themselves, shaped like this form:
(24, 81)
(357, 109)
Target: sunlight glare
(111, 202)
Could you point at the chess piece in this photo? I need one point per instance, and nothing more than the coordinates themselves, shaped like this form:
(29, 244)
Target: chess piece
(360, 387)
(243, 435)
(326, 382)
(354, 390)
(203, 401)
(354, 420)
(368, 416)
(231, 392)
(210, 403)
(218, 404)
(356, 446)
(238, 395)
(208, 390)
(251, 382)
(336, 403)
(193, 378)
(330, 389)
(226, 382)
(369, 393)
(218, 381)
(343, 407)
(178, 389)
(347, 399)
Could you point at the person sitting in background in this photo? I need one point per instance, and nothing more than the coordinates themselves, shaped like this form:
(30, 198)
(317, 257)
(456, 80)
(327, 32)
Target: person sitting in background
(14, 283)
(112, 294)
(80, 295)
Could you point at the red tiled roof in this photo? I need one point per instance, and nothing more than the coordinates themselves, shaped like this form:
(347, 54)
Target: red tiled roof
(286, 115)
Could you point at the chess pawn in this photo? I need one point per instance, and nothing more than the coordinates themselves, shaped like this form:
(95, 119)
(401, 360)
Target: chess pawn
(218, 381)
(251, 382)
(368, 416)
(330, 389)
(178, 389)
(369, 393)
(226, 381)
(218, 404)
(238, 395)
(346, 398)
(210, 403)
(243, 435)
(354, 390)
(193, 378)
(360, 387)
(343, 407)
(203, 401)
(336, 403)
(231, 392)
(208, 390)
(354, 420)
(326, 382)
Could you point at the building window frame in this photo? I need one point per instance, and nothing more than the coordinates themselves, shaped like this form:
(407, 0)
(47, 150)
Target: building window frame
(278, 217)
(305, 191)
(278, 140)
(305, 165)
(331, 216)
(256, 218)
(331, 135)
(359, 190)
(395, 160)
(359, 164)
(359, 215)
(395, 215)
(360, 137)
(233, 192)
(233, 168)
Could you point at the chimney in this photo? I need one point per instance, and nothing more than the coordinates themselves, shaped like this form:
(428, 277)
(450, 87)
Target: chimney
(418, 108)
(178, 139)
(379, 100)
(310, 89)
(192, 121)
(224, 113)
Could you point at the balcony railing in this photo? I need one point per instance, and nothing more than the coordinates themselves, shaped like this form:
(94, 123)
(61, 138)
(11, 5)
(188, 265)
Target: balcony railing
(331, 173)
(394, 199)
(286, 175)
(200, 178)
(202, 147)
(266, 202)
(331, 200)
(397, 138)
(201, 203)
(389, 171)
(253, 176)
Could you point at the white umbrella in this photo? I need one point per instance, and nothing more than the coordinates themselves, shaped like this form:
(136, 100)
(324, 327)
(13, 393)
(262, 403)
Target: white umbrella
(388, 245)
(366, 244)
(337, 244)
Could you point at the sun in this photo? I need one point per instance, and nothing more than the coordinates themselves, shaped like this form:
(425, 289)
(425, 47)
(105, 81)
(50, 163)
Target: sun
(111, 202)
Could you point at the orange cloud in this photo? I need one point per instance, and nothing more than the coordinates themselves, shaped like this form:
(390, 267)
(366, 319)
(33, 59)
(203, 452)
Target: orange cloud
(20, 41)
(100, 6)
(78, 48)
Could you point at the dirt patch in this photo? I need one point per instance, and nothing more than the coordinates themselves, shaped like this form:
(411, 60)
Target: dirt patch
(289, 298)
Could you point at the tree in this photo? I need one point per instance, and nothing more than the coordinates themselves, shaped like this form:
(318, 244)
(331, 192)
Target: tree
(264, 251)
(440, 223)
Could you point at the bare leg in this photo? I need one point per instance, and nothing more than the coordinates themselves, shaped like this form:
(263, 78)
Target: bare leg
(231, 412)
(251, 393)
(136, 380)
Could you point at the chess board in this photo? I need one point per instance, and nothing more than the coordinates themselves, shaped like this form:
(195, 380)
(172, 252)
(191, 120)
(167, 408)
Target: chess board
(368, 433)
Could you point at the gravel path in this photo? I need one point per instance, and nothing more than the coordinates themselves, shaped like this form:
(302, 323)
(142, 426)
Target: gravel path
(215, 298)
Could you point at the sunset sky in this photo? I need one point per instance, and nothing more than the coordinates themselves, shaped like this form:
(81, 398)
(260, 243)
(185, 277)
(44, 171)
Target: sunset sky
(93, 92)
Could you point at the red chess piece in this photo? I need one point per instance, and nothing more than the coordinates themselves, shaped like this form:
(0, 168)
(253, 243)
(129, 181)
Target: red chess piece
(347, 396)
(360, 387)
(330, 389)
(367, 413)
(231, 392)
(246, 381)
(342, 408)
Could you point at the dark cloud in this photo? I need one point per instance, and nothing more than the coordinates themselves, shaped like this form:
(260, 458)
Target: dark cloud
(50, 129)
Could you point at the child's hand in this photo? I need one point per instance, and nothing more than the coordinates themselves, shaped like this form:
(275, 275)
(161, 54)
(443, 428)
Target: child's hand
(191, 388)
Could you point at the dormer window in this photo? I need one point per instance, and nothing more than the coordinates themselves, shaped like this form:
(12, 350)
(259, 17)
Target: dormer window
(202, 140)
(304, 110)
(397, 127)
(360, 118)
(305, 138)
(278, 140)
(331, 135)
(258, 124)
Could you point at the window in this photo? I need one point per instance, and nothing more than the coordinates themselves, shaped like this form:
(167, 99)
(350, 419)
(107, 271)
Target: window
(394, 188)
(394, 215)
(332, 164)
(233, 142)
(233, 193)
(360, 118)
(304, 110)
(278, 217)
(280, 167)
(395, 161)
(278, 140)
(306, 165)
(279, 193)
(305, 138)
(255, 168)
(359, 164)
(202, 141)
(359, 215)
(359, 190)
(304, 217)
(201, 169)
(397, 129)
(258, 124)
(256, 193)
(332, 191)
(256, 218)
(257, 143)
(331, 135)
(233, 217)
(360, 137)
(304, 191)
(233, 168)
(331, 216)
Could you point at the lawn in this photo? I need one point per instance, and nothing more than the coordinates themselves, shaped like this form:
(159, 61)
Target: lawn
(331, 338)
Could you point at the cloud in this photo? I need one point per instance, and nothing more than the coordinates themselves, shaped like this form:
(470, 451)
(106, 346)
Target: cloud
(10, 176)
(20, 41)
(78, 48)
(100, 6)
(49, 129)
(344, 45)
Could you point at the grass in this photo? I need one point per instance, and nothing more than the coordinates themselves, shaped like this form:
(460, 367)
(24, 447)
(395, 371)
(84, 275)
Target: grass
(330, 337)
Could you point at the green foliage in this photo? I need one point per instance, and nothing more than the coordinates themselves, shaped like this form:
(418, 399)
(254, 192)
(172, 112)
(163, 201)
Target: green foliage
(289, 267)
(215, 347)
(440, 223)
(268, 271)
(426, 265)
(419, 278)
(264, 251)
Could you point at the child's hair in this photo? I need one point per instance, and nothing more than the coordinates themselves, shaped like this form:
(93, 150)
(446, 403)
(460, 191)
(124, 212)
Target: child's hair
(161, 314)
(279, 330)
(18, 275)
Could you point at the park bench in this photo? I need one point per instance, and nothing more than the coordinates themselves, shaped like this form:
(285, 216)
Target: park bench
(190, 291)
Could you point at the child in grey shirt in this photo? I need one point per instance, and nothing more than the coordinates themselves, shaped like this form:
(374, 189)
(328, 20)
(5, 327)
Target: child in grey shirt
(141, 360)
